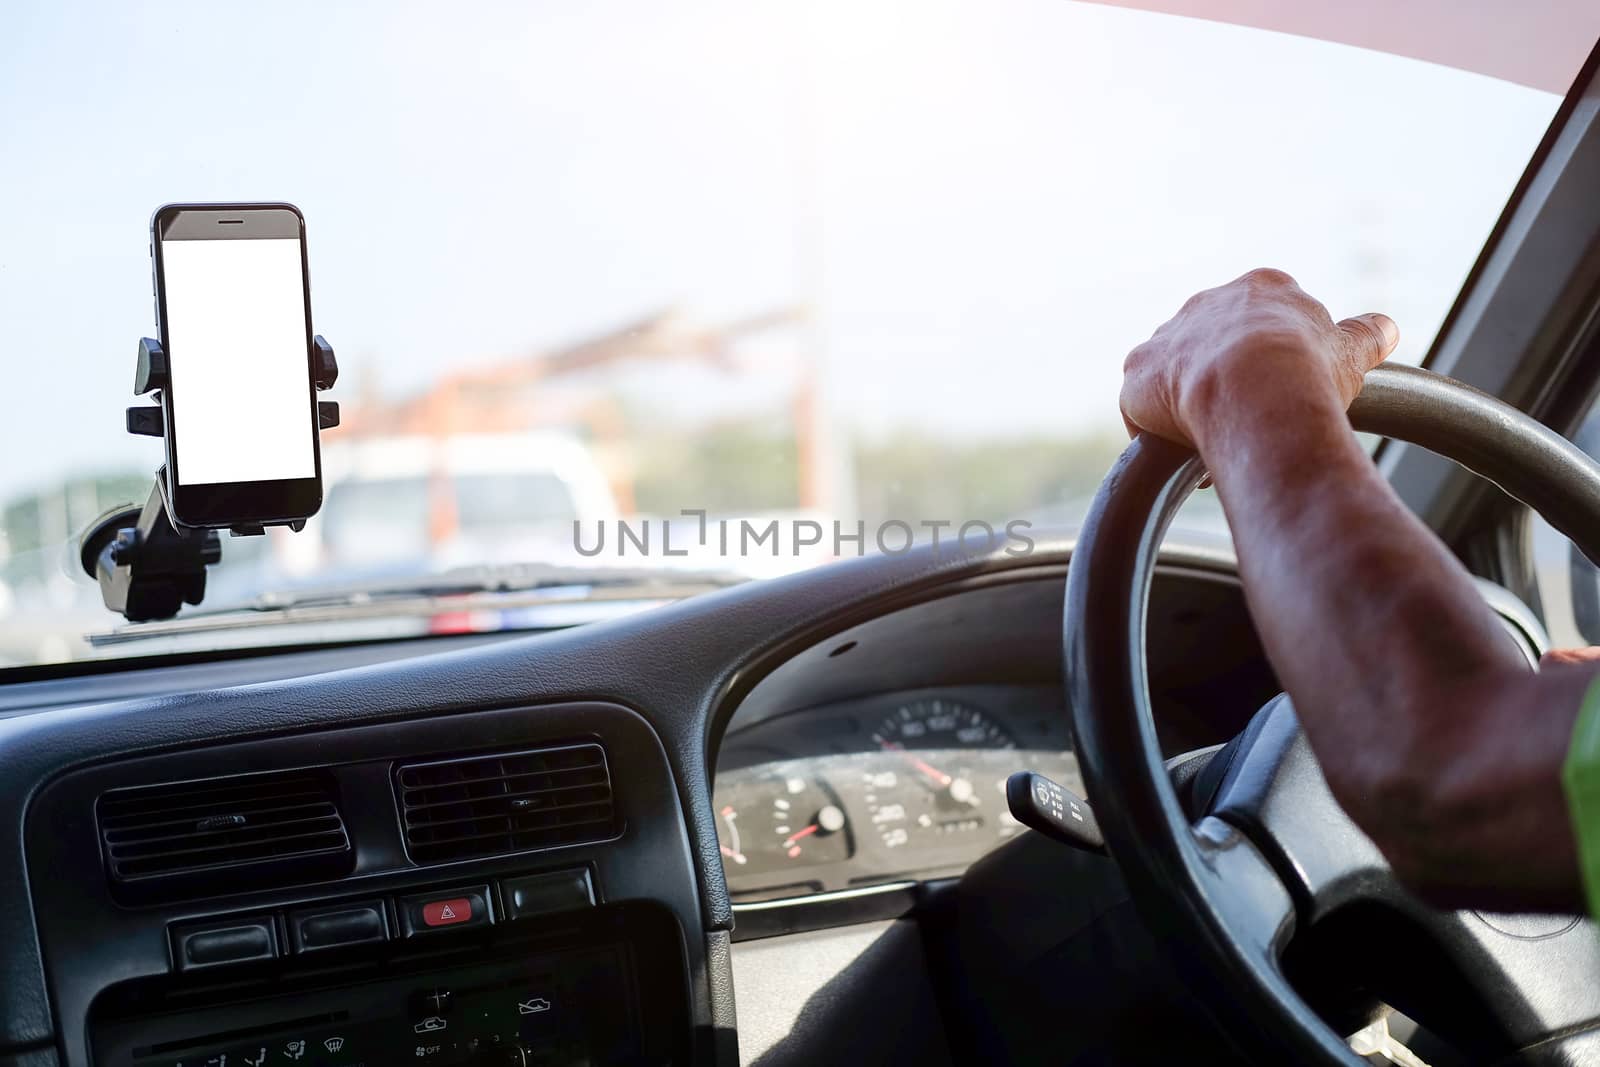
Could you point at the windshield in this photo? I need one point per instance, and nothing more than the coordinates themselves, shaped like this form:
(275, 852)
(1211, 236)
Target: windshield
(774, 283)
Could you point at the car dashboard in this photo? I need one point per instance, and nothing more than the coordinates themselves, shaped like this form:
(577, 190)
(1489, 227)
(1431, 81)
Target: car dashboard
(573, 837)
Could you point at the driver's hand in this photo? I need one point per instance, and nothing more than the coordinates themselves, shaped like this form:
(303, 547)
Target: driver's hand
(1259, 347)
(1570, 655)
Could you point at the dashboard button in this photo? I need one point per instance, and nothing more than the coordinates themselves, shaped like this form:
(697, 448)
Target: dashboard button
(456, 909)
(256, 1054)
(348, 924)
(436, 1001)
(541, 894)
(447, 912)
(219, 943)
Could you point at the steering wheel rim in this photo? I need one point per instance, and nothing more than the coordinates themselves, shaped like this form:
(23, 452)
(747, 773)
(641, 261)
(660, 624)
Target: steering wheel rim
(1208, 886)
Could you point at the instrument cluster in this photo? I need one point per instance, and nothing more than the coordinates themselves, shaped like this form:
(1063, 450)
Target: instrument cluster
(885, 788)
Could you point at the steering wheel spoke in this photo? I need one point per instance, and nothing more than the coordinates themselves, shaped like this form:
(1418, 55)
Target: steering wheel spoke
(1245, 890)
(1275, 793)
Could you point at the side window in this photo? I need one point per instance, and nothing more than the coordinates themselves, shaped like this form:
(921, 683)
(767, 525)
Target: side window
(1569, 583)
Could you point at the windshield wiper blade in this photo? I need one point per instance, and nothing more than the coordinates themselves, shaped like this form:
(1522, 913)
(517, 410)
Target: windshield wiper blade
(496, 578)
(520, 586)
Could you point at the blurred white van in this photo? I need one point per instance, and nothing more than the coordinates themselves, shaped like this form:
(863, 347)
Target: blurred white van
(439, 502)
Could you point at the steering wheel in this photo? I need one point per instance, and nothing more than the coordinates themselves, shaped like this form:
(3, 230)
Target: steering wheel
(1275, 853)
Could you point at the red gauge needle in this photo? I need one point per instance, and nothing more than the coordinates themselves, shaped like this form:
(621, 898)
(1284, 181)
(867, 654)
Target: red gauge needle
(939, 777)
(798, 834)
(729, 814)
(931, 771)
(791, 848)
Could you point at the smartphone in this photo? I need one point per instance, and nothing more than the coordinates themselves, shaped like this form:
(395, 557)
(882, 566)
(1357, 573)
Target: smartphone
(233, 307)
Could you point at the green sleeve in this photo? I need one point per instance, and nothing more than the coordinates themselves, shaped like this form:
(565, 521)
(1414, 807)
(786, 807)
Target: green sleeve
(1580, 776)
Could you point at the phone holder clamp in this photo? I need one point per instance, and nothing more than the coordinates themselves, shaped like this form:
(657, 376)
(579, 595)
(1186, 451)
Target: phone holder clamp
(150, 375)
(146, 565)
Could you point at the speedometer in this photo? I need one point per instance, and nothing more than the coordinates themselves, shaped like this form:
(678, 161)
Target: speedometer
(942, 778)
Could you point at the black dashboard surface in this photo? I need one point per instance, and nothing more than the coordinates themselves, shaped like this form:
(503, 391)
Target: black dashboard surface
(682, 670)
(127, 679)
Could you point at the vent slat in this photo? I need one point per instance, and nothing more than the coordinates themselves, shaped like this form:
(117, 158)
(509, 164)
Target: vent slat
(186, 827)
(250, 831)
(113, 806)
(197, 811)
(529, 832)
(519, 818)
(505, 802)
(493, 775)
(504, 798)
(310, 845)
(221, 841)
(521, 783)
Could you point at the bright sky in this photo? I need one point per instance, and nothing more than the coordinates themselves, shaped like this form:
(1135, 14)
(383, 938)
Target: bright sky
(989, 202)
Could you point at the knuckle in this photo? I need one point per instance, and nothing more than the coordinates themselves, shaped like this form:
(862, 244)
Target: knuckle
(1137, 358)
(1277, 340)
(1314, 309)
(1269, 278)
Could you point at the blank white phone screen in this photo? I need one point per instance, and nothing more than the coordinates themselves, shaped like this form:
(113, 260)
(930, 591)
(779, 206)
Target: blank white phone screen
(236, 341)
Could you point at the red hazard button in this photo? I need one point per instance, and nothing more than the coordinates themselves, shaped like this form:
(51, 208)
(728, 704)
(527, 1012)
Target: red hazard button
(447, 912)
(463, 907)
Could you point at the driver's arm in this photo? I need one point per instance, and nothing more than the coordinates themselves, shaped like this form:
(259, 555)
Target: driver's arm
(1431, 730)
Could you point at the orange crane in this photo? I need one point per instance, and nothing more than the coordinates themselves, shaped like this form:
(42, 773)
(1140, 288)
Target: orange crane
(548, 389)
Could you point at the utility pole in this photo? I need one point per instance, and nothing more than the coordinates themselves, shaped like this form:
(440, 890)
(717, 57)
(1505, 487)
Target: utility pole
(826, 467)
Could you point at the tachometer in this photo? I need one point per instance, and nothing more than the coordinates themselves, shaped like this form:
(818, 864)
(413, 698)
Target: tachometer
(940, 723)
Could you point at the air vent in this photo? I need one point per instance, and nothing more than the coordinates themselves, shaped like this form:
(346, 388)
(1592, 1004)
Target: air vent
(254, 830)
(508, 802)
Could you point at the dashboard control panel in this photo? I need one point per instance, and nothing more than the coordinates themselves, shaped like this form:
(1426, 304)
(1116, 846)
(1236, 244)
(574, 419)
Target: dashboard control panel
(256, 967)
(563, 992)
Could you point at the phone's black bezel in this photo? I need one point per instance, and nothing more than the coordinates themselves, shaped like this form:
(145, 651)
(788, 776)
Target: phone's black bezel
(226, 504)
